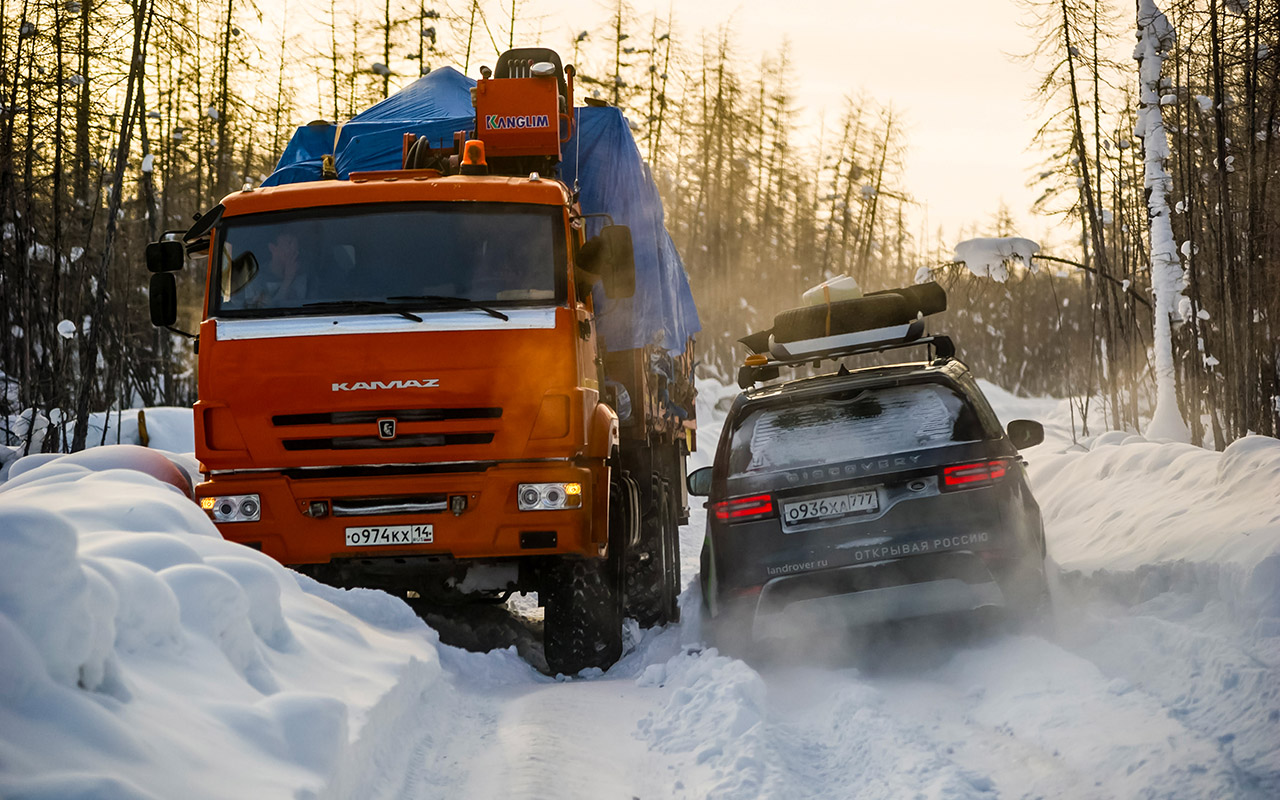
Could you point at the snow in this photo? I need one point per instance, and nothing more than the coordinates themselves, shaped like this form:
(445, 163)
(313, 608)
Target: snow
(168, 429)
(144, 656)
(989, 257)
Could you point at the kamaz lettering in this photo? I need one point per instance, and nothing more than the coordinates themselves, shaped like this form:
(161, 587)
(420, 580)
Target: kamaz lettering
(494, 122)
(425, 383)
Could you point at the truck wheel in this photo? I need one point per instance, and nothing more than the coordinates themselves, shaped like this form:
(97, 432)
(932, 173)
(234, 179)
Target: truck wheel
(672, 541)
(582, 624)
(651, 589)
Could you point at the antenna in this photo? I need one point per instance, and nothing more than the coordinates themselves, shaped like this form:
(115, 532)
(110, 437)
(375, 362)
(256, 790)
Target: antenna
(577, 147)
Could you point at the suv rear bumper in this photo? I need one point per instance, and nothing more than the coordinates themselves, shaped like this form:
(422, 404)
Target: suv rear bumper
(888, 591)
(490, 526)
(873, 606)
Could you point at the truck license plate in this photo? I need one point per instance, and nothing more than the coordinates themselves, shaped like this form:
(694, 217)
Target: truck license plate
(838, 505)
(379, 535)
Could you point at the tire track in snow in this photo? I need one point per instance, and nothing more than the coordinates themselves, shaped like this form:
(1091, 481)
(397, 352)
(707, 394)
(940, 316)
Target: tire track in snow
(1072, 731)
(1207, 673)
(561, 741)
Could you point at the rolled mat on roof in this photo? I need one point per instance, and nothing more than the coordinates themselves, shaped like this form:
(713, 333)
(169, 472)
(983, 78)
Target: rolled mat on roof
(602, 156)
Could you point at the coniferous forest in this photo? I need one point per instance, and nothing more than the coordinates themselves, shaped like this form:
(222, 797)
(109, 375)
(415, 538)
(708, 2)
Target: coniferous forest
(120, 119)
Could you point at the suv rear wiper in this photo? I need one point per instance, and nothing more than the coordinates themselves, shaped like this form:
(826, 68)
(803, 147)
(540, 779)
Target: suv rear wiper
(450, 302)
(362, 305)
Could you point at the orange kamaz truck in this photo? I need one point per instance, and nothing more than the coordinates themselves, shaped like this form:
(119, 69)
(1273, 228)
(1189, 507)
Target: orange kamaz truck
(446, 351)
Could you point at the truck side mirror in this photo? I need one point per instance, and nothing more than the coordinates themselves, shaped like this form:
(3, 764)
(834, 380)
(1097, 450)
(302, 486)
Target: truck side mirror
(1025, 433)
(699, 482)
(165, 257)
(164, 299)
(610, 255)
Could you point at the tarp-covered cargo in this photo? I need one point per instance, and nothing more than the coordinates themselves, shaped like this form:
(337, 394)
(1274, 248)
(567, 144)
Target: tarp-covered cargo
(602, 156)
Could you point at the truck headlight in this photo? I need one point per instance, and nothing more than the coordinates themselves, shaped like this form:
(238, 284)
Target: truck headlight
(548, 496)
(233, 508)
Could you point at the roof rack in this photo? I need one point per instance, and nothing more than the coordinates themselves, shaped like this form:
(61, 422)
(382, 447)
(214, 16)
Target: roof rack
(760, 367)
(872, 323)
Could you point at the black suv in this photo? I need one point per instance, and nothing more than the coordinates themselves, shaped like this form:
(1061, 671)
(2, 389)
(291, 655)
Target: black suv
(867, 496)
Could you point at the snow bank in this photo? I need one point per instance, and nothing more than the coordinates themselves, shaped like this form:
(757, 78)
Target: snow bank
(168, 428)
(1170, 580)
(144, 656)
(1169, 516)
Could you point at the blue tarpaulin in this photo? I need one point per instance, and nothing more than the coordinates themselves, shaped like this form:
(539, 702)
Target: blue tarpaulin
(602, 155)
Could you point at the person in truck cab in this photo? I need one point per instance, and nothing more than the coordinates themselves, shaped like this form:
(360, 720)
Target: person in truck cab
(271, 279)
(282, 282)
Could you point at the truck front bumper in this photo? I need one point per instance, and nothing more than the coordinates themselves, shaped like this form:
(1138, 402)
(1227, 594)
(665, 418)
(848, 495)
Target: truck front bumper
(464, 514)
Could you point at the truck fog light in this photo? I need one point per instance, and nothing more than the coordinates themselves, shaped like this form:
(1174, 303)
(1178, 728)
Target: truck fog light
(233, 508)
(548, 496)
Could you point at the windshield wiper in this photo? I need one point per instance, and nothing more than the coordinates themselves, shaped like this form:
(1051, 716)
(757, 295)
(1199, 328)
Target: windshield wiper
(362, 305)
(450, 302)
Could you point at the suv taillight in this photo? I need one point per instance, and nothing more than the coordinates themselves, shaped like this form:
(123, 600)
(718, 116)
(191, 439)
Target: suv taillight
(736, 509)
(979, 473)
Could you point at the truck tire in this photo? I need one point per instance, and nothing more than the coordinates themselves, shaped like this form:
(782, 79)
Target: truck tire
(651, 590)
(673, 555)
(847, 316)
(582, 623)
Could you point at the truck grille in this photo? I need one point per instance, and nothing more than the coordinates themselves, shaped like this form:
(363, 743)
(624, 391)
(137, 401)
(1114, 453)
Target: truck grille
(400, 414)
(400, 504)
(371, 441)
(374, 443)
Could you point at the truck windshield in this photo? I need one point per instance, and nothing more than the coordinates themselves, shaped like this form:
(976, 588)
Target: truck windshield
(423, 256)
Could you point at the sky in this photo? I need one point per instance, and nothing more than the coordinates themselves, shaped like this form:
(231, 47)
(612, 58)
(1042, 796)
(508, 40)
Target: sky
(947, 67)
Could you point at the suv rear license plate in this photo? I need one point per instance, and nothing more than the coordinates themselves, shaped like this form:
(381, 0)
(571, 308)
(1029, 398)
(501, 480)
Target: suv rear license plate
(830, 507)
(379, 535)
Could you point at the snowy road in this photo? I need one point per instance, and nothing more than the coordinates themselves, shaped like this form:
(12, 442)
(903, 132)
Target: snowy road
(1170, 698)
(1112, 704)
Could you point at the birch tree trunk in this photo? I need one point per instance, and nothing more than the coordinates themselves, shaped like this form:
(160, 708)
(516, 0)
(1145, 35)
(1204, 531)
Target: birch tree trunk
(1155, 39)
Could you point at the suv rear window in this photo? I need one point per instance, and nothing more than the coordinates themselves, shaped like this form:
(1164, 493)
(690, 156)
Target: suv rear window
(845, 426)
